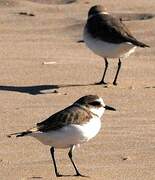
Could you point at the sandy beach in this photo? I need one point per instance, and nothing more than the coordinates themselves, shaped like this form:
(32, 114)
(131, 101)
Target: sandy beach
(44, 69)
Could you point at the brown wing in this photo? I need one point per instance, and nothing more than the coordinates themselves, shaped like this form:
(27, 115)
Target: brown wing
(72, 114)
(111, 30)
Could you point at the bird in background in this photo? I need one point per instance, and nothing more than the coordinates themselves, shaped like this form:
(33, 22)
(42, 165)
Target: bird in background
(69, 127)
(108, 37)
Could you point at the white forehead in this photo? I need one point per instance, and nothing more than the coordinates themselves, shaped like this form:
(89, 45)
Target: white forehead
(101, 101)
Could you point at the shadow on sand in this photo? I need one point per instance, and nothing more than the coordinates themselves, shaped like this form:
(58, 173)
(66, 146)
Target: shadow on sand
(39, 89)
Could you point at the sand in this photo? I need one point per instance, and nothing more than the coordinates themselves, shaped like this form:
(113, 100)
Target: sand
(44, 69)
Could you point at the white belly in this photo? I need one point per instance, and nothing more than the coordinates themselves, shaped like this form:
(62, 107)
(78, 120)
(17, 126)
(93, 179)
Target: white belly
(69, 135)
(108, 50)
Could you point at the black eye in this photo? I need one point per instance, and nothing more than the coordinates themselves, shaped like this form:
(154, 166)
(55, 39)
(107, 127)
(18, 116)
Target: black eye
(95, 103)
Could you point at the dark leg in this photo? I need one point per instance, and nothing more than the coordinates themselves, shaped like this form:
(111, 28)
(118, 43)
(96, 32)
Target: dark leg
(70, 156)
(54, 162)
(119, 66)
(105, 70)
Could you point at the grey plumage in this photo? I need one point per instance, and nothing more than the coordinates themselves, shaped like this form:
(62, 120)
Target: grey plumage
(109, 28)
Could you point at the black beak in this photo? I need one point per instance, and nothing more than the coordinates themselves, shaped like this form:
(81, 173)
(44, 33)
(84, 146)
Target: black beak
(109, 108)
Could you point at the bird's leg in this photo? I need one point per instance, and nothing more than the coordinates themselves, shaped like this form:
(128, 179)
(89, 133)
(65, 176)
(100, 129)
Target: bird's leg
(70, 156)
(119, 66)
(105, 70)
(54, 162)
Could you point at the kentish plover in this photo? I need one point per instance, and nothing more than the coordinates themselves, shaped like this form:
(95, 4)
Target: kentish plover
(108, 37)
(70, 127)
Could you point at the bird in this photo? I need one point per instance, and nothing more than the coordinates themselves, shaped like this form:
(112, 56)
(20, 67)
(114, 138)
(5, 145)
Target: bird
(70, 127)
(108, 37)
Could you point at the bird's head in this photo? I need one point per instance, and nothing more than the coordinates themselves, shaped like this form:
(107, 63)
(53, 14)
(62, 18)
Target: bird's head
(95, 104)
(97, 9)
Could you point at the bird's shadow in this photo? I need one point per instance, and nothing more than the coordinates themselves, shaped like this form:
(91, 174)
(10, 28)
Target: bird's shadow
(149, 87)
(48, 89)
(39, 89)
(33, 90)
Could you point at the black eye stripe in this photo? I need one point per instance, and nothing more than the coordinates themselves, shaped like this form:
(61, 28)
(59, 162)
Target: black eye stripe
(95, 103)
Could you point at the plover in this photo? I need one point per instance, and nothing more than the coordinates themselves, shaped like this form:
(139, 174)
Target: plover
(70, 127)
(108, 37)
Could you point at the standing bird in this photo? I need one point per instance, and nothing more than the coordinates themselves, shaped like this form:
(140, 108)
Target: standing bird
(70, 127)
(108, 37)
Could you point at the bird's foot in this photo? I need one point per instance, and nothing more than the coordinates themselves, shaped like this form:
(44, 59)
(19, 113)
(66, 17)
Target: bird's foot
(78, 174)
(101, 83)
(58, 175)
(114, 83)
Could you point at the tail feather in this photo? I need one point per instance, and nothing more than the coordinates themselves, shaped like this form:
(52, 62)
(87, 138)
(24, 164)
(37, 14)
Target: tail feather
(23, 133)
(138, 43)
(19, 134)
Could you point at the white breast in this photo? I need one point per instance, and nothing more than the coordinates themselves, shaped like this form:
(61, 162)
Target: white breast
(69, 135)
(91, 128)
(106, 49)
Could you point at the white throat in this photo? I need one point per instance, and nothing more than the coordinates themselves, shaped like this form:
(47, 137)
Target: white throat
(97, 111)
